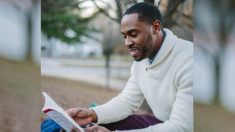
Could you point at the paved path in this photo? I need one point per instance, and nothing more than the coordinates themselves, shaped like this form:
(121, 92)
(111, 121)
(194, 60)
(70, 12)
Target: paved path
(87, 70)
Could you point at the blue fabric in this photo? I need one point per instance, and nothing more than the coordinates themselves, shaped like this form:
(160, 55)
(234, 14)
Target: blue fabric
(48, 125)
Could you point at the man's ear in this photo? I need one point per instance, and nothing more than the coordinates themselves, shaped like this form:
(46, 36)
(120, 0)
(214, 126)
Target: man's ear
(156, 26)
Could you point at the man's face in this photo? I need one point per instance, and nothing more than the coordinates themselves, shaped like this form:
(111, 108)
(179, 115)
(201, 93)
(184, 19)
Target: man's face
(138, 36)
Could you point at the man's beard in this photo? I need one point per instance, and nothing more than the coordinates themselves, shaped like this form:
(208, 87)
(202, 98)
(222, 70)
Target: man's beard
(145, 50)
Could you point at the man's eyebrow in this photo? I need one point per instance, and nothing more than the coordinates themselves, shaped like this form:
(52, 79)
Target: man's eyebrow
(132, 30)
(129, 31)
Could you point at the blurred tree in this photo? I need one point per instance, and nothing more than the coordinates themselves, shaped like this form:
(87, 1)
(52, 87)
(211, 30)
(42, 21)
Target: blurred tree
(62, 19)
(170, 11)
(178, 16)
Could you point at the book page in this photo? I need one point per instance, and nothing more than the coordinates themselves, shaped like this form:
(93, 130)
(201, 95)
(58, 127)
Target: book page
(57, 114)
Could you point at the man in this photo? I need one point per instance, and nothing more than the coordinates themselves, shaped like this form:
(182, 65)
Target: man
(161, 74)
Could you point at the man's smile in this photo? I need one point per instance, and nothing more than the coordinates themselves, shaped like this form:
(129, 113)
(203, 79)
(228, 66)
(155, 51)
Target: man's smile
(134, 51)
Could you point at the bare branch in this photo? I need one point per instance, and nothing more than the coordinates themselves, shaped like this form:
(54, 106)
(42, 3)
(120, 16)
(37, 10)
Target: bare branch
(172, 7)
(103, 11)
(106, 3)
(119, 10)
(134, 1)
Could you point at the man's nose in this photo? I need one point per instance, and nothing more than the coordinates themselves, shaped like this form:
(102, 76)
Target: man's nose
(128, 42)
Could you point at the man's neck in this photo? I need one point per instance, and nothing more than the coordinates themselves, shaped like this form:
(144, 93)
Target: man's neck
(158, 45)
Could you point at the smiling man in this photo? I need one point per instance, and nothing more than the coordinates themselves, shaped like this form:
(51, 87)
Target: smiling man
(143, 41)
(162, 74)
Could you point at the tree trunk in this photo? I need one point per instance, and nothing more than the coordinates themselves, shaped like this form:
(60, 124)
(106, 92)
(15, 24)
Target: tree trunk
(29, 36)
(107, 65)
(149, 1)
(119, 10)
(217, 78)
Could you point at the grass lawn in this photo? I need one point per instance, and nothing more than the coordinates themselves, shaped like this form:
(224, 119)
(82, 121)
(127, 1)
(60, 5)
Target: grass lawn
(75, 94)
(213, 118)
(19, 96)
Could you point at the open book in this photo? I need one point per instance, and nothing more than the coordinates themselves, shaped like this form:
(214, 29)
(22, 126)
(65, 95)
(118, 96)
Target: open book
(56, 113)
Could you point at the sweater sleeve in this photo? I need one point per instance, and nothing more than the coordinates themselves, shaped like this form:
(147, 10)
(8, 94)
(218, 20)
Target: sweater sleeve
(181, 118)
(120, 107)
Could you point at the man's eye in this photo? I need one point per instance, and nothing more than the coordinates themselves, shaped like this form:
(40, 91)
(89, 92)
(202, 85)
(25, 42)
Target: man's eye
(124, 36)
(134, 34)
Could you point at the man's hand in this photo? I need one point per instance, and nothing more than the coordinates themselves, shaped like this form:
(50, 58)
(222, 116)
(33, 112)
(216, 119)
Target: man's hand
(82, 116)
(97, 128)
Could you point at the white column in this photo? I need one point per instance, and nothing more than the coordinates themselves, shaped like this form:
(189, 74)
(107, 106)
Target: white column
(228, 75)
(13, 30)
(36, 33)
(203, 83)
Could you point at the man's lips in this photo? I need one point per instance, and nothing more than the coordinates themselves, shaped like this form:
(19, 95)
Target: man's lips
(133, 51)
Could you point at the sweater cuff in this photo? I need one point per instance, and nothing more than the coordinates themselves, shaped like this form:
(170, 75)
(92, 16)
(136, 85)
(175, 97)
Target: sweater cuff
(102, 115)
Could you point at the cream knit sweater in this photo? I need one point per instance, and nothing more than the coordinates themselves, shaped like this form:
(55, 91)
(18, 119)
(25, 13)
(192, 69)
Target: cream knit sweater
(166, 84)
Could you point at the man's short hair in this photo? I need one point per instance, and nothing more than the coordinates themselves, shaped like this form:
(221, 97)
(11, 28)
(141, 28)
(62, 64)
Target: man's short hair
(146, 12)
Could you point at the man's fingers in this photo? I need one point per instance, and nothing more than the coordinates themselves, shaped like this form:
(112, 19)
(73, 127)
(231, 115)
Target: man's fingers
(81, 115)
(73, 111)
(83, 121)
